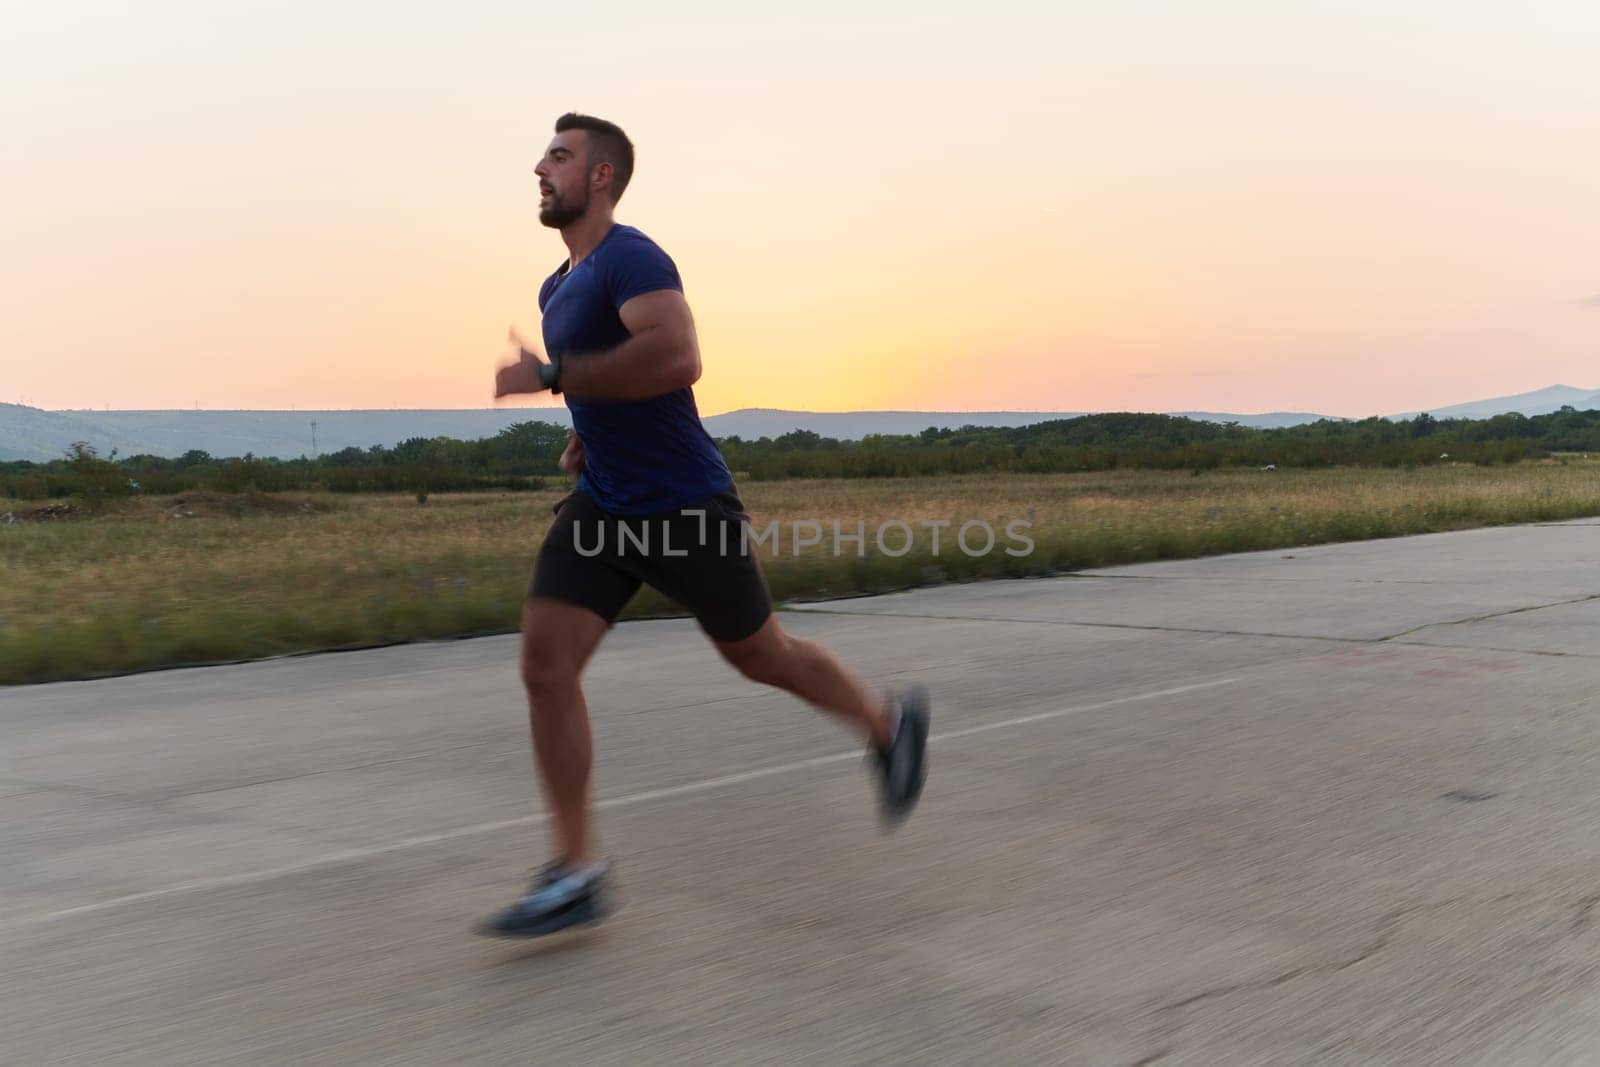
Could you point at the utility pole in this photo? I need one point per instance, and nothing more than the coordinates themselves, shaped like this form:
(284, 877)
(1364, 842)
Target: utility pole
(313, 438)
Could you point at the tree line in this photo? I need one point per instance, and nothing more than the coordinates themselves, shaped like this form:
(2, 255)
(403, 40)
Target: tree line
(522, 456)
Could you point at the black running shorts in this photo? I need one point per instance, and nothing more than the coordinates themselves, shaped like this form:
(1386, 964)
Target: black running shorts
(697, 555)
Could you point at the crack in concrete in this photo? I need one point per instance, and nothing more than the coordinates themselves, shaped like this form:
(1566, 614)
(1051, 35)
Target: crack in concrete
(1143, 627)
(1493, 615)
(1389, 926)
(1254, 578)
(33, 785)
(1394, 639)
(1496, 648)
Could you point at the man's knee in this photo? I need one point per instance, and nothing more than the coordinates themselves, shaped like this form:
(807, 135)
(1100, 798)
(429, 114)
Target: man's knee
(557, 640)
(768, 662)
(547, 669)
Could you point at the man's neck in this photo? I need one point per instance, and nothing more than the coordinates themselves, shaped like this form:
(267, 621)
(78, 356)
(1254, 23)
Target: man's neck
(584, 235)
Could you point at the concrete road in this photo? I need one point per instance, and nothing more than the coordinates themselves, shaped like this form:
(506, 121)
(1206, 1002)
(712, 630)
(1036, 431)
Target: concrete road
(1334, 804)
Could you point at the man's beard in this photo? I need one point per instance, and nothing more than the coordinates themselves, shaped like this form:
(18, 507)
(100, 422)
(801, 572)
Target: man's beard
(560, 212)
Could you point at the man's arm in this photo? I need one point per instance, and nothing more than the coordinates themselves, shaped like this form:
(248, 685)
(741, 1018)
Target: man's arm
(662, 355)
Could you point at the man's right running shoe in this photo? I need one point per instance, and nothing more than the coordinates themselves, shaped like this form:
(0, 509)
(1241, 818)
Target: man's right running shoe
(558, 900)
(902, 767)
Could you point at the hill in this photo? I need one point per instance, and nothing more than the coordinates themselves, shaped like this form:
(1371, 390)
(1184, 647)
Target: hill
(33, 434)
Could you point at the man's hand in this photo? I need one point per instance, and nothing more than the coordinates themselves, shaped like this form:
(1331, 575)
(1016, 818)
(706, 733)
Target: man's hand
(526, 373)
(572, 456)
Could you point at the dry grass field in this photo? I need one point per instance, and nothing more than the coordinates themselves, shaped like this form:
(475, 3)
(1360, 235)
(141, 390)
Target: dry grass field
(203, 578)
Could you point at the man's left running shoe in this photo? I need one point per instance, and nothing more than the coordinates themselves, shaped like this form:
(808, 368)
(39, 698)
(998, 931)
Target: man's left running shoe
(902, 767)
(559, 899)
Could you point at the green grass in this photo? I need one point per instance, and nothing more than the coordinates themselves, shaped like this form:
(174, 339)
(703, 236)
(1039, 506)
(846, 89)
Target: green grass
(154, 582)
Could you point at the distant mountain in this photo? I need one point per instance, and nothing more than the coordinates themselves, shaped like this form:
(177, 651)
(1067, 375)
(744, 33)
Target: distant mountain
(752, 423)
(29, 433)
(1271, 420)
(1538, 402)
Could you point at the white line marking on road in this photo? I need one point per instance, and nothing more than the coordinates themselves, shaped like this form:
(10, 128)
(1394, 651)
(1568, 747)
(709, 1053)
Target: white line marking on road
(628, 800)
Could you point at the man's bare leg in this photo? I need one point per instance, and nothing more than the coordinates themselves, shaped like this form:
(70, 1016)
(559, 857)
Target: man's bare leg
(557, 640)
(773, 656)
(897, 730)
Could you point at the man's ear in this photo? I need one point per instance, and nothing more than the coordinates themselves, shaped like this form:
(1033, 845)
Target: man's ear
(600, 177)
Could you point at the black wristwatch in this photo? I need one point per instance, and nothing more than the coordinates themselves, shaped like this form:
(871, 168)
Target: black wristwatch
(550, 375)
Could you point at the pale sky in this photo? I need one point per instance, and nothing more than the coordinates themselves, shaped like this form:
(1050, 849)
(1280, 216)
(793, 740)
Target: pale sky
(1352, 208)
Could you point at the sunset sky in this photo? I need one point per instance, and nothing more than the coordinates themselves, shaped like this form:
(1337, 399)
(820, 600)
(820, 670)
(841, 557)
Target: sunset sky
(1351, 208)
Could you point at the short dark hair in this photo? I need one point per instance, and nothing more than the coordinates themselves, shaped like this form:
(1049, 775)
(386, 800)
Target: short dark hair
(607, 144)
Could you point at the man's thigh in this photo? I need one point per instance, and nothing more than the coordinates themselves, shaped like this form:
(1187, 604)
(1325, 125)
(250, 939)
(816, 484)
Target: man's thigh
(571, 571)
(712, 570)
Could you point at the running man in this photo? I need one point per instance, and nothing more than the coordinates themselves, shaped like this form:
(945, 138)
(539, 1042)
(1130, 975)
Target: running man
(654, 503)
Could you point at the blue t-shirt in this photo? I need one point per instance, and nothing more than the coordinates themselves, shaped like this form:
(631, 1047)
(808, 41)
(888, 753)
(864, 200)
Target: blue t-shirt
(639, 456)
